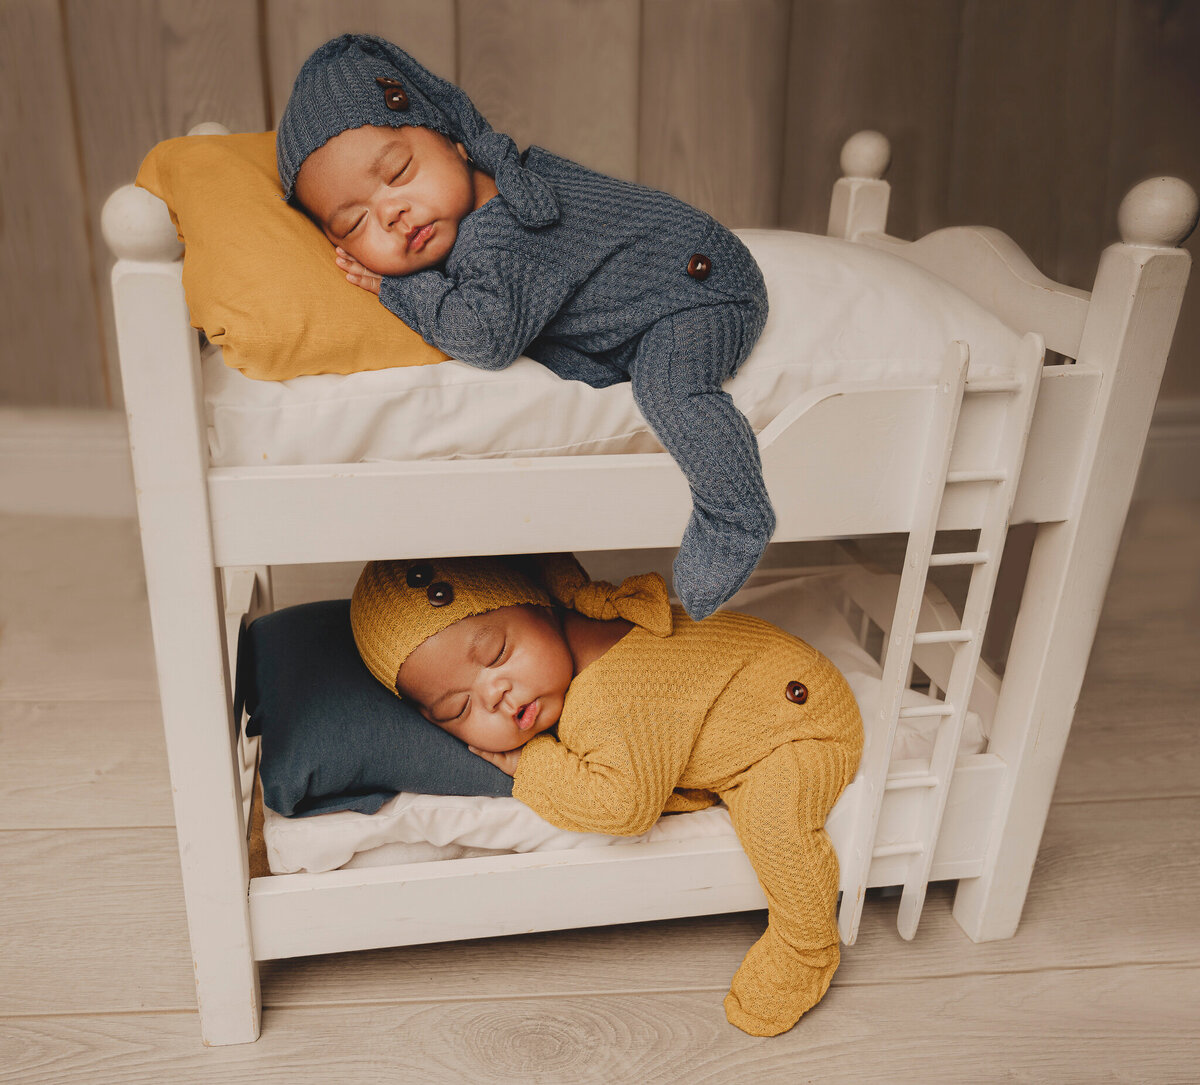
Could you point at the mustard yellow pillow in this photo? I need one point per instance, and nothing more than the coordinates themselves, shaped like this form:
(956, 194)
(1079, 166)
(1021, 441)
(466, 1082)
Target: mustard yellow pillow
(259, 276)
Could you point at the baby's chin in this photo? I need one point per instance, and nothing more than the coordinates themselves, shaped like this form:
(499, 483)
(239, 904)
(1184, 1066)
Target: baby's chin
(521, 740)
(400, 268)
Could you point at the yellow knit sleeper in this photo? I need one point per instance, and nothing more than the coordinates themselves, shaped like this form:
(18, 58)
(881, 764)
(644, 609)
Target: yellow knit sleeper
(731, 707)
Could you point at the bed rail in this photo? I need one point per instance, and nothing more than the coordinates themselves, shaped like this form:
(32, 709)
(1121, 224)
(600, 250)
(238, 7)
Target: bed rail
(986, 263)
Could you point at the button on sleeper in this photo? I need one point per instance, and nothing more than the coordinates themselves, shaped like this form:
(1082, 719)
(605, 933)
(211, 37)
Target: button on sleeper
(796, 692)
(699, 266)
(440, 594)
(419, 576)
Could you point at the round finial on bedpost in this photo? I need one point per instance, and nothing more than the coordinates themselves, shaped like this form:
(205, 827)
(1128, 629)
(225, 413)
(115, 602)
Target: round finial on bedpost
(208, 128)
(137, 226)
(1160, 213)
(866, 154)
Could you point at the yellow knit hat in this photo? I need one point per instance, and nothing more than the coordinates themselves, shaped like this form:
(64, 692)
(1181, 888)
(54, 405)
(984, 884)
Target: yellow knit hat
(397, 605)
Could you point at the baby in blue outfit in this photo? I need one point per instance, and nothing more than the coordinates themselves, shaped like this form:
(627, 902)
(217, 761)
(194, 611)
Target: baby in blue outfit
(490, 254)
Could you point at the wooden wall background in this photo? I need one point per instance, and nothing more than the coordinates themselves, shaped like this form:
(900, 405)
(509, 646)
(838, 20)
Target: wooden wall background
(1031, 115)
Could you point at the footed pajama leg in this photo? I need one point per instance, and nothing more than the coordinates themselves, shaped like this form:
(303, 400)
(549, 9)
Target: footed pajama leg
(778, 808)
(677, 374)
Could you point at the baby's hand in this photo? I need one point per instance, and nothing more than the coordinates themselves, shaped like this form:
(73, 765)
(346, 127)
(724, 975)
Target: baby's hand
(506, 762)
(356, 273)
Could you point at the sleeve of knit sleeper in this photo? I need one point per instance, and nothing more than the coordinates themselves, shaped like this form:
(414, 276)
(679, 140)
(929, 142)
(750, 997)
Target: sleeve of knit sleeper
(621, 787)
(485, 315)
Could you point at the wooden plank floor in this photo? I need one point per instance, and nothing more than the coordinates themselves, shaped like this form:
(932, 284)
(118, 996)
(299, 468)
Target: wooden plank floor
(1100, 984)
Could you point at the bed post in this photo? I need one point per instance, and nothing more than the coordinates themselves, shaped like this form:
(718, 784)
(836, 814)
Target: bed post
(1135, 302)
(160, 371)
(860, 196)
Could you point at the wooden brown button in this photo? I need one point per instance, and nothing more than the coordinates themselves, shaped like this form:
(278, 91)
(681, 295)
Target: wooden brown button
(419, 576)
(440, 594)
(796, 692)
(393, 93)
(699, 266)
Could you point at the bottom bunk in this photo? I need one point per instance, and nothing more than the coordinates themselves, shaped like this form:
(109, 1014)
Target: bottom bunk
(416, 870)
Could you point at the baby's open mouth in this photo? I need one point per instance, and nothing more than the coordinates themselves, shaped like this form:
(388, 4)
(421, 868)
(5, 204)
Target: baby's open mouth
(527, 715)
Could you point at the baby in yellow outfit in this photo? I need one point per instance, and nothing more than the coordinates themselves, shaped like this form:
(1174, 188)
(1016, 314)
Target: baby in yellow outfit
(612, 707)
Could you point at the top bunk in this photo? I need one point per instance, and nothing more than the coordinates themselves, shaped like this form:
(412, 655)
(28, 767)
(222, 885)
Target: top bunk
(841, 457)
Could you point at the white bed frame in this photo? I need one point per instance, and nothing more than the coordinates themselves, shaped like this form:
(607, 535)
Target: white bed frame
(1057, 446)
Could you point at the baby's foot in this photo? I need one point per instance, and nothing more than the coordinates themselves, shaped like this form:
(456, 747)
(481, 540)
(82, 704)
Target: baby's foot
(769, 994)
(716, 557)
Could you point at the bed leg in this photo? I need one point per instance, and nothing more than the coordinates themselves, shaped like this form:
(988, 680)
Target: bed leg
(160, 368)
(1135, 302)
(1050, 648)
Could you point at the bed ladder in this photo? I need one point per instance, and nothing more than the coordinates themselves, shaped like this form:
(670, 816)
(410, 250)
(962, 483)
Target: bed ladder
(1000, 478)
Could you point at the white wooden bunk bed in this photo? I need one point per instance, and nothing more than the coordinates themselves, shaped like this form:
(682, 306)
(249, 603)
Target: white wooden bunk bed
(1058, 447)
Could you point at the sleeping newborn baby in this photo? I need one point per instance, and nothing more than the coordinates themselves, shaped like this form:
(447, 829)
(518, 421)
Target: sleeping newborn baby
(490, 254)
(608, 706)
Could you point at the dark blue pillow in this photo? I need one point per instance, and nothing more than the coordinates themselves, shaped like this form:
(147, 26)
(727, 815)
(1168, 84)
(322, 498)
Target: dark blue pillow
(332, 737)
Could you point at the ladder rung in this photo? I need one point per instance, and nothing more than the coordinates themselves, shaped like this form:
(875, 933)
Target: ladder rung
(964, 557)
(977, 476)
(944, 636)
(884, 850)
(903, 783)
(999, 385)
(919, 711)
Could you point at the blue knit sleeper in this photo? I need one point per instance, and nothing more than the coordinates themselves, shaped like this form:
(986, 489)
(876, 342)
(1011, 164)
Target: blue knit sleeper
(629, 284)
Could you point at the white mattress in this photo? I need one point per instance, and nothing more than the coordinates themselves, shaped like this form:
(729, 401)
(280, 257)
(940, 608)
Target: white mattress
(417, 828)
(840, 312)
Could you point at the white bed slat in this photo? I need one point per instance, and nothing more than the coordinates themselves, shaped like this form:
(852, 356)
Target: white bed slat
(299, 914)
(876, 593)
(282, 515)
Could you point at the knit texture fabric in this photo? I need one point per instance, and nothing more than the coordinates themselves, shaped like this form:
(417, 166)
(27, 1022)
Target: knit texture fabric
(664, 723)
(602, 296)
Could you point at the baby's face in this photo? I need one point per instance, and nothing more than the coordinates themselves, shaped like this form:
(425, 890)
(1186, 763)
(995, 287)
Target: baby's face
(391, 197)
(494, 680)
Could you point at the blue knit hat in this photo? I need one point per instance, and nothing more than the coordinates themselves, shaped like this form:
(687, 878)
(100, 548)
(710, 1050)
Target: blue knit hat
(357, 79)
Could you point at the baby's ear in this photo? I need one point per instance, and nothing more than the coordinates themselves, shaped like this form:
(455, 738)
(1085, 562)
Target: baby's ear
(462, 151)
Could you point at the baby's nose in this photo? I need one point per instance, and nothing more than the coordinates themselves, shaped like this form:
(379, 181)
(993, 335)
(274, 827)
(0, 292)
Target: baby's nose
(499, 687)
(392, 210)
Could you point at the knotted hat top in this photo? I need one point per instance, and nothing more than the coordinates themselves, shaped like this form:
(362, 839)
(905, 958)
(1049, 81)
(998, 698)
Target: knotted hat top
(398, 605)
(640, 599)
(358, 79)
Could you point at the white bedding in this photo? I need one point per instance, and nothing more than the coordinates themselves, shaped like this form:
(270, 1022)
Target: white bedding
(840, 312)
(417, 828)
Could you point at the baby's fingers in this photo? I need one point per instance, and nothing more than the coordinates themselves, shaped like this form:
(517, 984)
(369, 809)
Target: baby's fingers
(356, 273)
(366, 280)
(505, 762)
